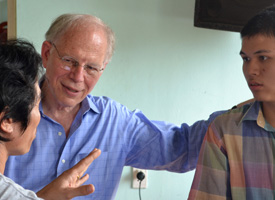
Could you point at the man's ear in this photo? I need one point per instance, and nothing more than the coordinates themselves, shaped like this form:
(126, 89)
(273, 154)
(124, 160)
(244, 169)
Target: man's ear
(7, 125)
(45, 52)
(105, 64)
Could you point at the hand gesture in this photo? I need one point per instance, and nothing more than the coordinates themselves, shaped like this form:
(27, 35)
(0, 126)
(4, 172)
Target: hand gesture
(69, 184)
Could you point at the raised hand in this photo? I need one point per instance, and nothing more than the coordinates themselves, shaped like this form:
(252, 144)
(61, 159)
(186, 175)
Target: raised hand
(69, 184)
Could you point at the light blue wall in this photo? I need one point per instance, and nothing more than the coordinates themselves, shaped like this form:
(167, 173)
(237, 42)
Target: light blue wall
(162, 65)
(3, 11)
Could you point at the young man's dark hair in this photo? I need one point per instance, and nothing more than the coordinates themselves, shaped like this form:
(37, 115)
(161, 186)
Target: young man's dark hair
(263, 23)
(17, 82)
(20, 96)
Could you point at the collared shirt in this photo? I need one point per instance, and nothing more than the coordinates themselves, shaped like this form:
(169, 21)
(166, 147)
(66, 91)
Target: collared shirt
(126, 138)
(237, 157)
(9, 190)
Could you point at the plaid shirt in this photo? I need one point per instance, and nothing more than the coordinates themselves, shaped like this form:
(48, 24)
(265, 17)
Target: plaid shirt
(237, 157)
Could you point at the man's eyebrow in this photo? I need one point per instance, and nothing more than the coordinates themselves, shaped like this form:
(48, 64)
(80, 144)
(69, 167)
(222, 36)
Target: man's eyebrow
(262, 51)
(242, 53)
(257, 52)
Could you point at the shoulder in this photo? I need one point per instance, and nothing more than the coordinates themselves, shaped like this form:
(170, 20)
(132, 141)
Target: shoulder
(233, 116)
(11, 190)
(231, 122)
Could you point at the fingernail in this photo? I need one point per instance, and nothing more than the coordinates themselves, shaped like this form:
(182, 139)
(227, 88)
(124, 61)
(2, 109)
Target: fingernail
(90, 189)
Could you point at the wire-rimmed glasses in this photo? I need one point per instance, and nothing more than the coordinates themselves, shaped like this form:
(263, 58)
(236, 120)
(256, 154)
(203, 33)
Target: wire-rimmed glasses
(69, 63)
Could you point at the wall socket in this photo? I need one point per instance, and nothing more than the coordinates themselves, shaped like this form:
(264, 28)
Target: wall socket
(135, 182)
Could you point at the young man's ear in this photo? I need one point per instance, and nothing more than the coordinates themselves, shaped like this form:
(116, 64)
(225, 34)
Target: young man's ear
(7, 126)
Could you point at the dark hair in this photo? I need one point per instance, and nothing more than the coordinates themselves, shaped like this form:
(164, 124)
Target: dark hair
(262, 23)
(20, 65)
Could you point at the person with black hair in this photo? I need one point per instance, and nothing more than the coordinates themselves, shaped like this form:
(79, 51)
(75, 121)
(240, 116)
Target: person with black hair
(20, 96)
(236, 160)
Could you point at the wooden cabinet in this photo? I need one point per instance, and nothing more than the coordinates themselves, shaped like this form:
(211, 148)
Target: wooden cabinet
(7, 20)
(11, 19)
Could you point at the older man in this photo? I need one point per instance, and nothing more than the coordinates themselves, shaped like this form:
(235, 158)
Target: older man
(75, 53)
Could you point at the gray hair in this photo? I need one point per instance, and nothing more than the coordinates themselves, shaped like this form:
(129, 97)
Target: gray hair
(62, 23)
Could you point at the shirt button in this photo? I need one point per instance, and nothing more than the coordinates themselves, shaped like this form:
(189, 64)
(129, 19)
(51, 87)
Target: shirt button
(59, 133)
(63, 161)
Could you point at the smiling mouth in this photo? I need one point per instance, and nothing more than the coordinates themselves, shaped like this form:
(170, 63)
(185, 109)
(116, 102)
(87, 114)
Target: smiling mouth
(71, 90)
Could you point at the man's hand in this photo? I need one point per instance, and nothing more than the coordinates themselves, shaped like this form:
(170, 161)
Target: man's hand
(69, 184)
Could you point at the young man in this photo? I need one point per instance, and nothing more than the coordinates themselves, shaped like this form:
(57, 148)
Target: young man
(237, 156)
(19, 117)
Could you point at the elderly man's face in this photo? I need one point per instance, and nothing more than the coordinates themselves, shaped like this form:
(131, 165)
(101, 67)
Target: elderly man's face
(69, 86)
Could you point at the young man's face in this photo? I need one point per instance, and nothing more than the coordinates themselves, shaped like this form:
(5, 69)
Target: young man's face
(258, 53)
(21, 142)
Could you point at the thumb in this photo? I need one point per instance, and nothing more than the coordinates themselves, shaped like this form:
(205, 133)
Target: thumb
(82, 190)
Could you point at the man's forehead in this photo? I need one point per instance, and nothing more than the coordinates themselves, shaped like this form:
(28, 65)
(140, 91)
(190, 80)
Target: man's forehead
(257, 45)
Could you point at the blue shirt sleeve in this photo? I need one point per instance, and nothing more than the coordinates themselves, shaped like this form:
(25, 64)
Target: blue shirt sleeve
(166, 146)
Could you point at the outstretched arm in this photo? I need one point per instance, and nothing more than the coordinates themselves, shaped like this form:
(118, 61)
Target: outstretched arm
(69, 183)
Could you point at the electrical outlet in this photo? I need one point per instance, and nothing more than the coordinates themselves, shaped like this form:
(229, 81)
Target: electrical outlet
(135, 182)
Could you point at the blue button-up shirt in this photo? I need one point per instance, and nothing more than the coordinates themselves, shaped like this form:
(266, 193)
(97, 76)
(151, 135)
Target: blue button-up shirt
(126, 138)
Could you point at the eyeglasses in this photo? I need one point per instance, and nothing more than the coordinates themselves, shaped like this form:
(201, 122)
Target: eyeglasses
(69, 63)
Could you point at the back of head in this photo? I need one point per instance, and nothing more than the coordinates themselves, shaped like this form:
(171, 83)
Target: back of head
(20, 65)
(65, 22)
(261, 24)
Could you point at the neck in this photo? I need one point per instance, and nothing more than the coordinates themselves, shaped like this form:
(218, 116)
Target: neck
(51, 106)
(269, 112)
(54, 109)
(57, 111)
(3, 158)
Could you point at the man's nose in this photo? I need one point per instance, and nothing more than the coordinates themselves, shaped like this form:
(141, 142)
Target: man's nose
(253, 68)
(77, 73)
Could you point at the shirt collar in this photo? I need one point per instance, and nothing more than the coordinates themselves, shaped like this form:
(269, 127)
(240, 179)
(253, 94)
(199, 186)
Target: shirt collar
(88, 103)
(251, 111)
(254, 113)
